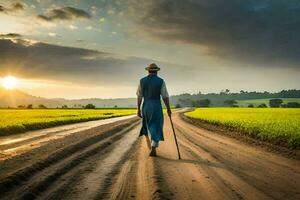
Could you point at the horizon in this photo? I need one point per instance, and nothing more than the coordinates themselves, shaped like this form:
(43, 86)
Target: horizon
(99, 49)
(196, 93)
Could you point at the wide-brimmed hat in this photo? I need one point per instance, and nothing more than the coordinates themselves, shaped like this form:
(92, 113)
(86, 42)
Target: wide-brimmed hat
(152, 67)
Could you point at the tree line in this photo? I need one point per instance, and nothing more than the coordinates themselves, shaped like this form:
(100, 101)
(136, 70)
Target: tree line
(227, 98)
(42, 106)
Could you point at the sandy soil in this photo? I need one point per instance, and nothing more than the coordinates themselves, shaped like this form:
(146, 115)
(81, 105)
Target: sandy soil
(111, 162)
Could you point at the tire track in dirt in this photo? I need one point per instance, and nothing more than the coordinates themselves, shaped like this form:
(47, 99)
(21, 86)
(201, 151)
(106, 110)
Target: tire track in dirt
(90, 176)
(136, 179)
(31, 181)
(16, 144)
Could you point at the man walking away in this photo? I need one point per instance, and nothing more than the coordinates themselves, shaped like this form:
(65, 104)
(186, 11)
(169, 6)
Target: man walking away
(150, 89)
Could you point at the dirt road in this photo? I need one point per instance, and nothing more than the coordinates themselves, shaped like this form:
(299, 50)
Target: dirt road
(110, 162)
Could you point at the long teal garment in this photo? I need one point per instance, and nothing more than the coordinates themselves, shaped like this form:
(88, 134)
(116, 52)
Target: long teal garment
(152, 109)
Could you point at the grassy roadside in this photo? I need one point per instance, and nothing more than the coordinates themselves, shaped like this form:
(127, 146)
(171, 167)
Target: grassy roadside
(279, 125)
(14, 121)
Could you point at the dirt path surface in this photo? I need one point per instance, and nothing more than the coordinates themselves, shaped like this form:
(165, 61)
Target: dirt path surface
(13, 145)
(109, 161)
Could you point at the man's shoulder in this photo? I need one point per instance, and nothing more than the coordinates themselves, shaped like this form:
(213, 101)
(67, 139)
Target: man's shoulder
(161, 80)
(147, 77)
(144, 78)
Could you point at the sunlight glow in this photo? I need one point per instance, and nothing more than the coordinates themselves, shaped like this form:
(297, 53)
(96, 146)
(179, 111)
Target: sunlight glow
(9, 82)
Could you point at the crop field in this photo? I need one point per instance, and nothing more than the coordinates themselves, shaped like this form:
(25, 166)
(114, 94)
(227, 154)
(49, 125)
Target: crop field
(17, 120)
(277, 125)
(256, 102)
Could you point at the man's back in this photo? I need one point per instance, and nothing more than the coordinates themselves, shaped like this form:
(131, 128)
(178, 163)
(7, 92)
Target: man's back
(151, 87)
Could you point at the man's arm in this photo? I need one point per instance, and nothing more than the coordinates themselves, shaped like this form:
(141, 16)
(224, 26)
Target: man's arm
(167, 103)
(139, 103)
(165, 97)
(139, 100)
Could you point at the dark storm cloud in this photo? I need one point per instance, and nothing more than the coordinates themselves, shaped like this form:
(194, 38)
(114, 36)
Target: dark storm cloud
(264, 32)
(41, 60)
(12, 8)
(78, 65)
(65, 13)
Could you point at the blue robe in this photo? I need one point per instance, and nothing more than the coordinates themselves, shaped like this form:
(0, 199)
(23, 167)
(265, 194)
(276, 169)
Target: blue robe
(152, 112)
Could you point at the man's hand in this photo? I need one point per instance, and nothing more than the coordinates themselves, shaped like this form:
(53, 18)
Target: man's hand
(169, 112)
(139, 113)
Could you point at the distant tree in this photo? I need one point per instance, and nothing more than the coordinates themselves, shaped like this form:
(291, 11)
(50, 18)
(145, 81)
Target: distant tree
(235, 106)
(230, 103)
(30, 106)
(115, 106)
(250, 105)
(177, 106)
(225, 92)
(185, 102)
(41, 106)
(291, 105)
(275, 103)
(64, 107)
(263, 105)
(201, 103)
(21, 106)
(90, 106)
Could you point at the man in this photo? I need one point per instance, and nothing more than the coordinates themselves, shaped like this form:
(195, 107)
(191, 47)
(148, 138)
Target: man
(150, 89)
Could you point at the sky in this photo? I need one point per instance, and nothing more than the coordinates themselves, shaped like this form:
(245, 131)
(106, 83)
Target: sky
(100, 48)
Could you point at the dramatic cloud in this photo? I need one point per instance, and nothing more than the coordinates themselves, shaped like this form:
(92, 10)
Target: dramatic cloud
(65, 13)
(264, 32)
(83, 66)
(41, 60)
(13, 8)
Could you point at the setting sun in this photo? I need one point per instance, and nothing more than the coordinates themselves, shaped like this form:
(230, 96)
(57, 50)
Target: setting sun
(9, 82)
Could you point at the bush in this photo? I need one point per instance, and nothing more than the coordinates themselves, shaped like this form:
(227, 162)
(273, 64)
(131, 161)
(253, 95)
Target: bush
(231, 103)
(291, 105)
(41, 106)
(90, 106)
(275, 103)
(64, 107)
(30, 106)
(251, 106)
(263, 105)
(201, 103)
(178, 106)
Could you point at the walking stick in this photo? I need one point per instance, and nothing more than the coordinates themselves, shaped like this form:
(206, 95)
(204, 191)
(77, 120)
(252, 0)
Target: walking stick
(179, 157)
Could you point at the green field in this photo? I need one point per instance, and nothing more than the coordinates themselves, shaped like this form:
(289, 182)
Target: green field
(18, 120)
(257, 102)
(277, 125)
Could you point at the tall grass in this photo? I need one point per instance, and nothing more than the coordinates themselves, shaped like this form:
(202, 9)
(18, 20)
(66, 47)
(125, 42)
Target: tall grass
(277, 125)
(18, 120)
